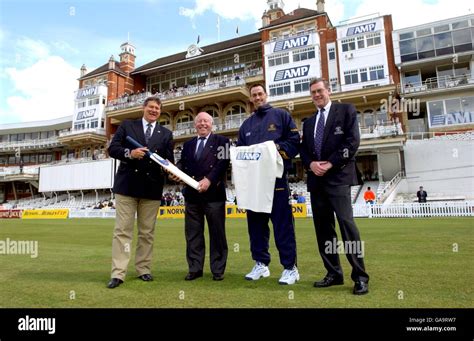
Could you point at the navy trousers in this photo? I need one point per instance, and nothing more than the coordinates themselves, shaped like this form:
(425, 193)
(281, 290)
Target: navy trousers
(283, 229)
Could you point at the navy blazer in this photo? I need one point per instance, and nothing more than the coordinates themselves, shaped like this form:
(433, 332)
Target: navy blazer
(140, 178)
(213, 165)
(340, 143)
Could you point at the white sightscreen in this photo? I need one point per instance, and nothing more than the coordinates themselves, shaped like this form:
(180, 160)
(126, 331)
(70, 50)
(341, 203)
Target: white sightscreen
(77, 176)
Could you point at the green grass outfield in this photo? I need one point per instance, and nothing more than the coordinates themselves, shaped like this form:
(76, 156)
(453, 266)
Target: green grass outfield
(411, 263)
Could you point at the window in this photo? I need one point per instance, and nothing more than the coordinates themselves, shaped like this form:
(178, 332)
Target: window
(332, 53)
(360, 42)
(462, 40)
(412, 78)
(425, 47)
(303, 54)
(441, 28)
(460, 24)
(280, 89)
(302, 85)
(408, 35)
(373, 39)
(348, 44)
(363, 75)
(81, 104)
(94, 101)
(351, 77)
(279, 59)
(94, 123)
(423, 32)
(236, 110)
(334, 86)
(443, 43)
(408, 50)
(376, 72)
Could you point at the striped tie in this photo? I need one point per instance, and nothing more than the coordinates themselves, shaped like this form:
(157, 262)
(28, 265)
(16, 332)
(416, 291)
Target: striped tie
(148, 133)
(318, 136)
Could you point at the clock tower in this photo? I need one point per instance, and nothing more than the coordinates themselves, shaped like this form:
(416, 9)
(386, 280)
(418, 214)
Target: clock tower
(127, 57)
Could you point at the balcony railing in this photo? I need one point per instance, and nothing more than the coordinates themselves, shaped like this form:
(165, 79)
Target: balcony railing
(30, 144)
(435, 83)
(384, 129)
(214, 84)
(98, 131)
(234, 123)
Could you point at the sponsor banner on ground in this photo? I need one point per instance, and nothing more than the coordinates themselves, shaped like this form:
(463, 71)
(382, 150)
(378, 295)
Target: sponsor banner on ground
(231, 211)
(10, 214)
(173, 212)
(46, 214)
(299, 210)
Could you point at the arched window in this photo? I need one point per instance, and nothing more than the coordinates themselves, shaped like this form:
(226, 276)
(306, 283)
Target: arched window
(185, 121)
(369, 119)
(165, 120)
(211, 110)
(235, 116)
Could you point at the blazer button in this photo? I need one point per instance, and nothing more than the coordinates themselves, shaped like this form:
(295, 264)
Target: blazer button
(136, 170)
(147, 173)
(211, 166)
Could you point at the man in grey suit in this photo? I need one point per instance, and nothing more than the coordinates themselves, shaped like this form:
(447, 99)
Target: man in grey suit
(330, 142)
(138, 189)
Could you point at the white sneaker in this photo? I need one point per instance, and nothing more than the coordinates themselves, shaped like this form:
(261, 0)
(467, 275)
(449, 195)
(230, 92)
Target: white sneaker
(289, 276)
(258, 271)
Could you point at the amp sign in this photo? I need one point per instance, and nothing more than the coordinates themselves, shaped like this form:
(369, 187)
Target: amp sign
(295, 72)
(88, 92)
(361, 29)
(291, 43)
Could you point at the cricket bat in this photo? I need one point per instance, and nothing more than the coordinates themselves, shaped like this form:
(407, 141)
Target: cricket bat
(167, 165)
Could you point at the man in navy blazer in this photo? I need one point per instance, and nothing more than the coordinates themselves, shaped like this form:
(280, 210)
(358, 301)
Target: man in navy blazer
(205, 159)
(138, 188)
(330, 141)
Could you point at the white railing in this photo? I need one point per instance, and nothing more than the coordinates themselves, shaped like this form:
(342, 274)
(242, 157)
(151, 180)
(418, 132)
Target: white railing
(388, 188)
(434, 83)
(455, 135)
(215, 83)
(92, 213)
(98, 131)
(418, 210)
(30, 144)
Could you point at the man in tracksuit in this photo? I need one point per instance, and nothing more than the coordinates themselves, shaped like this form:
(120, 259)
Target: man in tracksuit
(272, 124)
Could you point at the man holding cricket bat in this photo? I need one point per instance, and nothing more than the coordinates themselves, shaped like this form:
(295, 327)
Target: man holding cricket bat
(205, 159)
(138, 189)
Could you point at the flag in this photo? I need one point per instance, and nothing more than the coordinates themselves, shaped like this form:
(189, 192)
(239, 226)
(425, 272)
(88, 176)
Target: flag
(198, 39)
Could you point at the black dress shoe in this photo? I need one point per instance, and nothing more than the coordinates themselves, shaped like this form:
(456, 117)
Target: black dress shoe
(114, 282)
(193, 275)
(328, 281)
(218, 277)
(146, 277)
(361, 288)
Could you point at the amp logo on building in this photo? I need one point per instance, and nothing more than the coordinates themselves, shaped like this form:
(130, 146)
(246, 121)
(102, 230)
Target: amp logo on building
(295, 72)
(361, 29)
(291, 43)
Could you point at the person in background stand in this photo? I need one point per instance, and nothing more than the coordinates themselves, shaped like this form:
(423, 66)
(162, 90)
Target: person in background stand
(369, 196)
(421, 195)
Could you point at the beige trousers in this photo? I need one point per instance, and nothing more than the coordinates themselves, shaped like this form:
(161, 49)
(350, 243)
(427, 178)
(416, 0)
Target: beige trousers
(146, 211)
